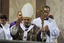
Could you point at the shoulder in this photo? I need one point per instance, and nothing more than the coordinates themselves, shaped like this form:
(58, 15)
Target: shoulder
(12, 23)
(37, 22)
(37, 19)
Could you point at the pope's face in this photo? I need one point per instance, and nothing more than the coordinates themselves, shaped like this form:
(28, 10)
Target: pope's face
(26, 20)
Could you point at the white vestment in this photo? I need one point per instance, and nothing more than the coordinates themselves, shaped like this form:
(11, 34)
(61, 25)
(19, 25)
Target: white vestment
(2, 34)
(54, 31)
(6, 31)
(25, 32)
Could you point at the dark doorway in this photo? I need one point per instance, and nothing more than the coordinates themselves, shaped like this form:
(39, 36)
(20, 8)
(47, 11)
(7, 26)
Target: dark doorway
(4, 7)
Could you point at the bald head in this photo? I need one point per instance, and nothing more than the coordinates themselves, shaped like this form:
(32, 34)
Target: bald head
(19, 15)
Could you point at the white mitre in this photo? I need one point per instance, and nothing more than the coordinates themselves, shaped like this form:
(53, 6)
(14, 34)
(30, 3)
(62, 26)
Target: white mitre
(27, 10)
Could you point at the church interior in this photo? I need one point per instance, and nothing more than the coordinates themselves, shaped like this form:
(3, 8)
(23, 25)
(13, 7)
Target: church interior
(11, 7)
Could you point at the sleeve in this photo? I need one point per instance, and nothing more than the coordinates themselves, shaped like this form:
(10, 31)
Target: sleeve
(54, 31)
(37, 22)
(13, 30)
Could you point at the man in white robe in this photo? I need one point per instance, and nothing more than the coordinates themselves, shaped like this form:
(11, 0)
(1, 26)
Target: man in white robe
(5, 28)
(51, 29)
